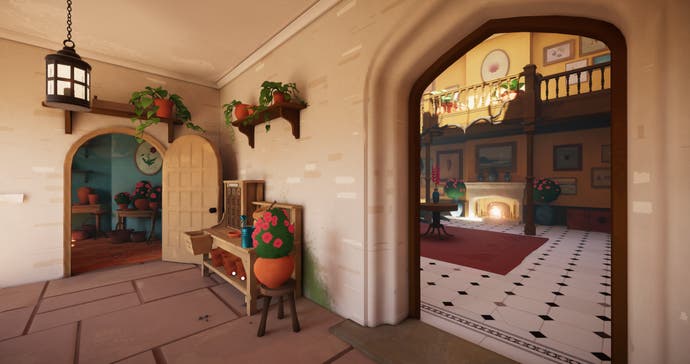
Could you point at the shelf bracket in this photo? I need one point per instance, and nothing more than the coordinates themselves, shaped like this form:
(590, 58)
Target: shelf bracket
(287, 111)
(68, 122)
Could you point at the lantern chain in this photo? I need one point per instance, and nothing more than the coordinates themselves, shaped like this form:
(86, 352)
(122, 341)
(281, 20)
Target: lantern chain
(69, 26)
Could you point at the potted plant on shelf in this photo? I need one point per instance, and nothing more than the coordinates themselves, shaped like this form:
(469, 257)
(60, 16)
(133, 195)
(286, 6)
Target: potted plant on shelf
(142, 191)
(273, 239)
(544, 192)
(277, 92)
(122, 199)
(152, 104)
(155, 198)
(511, 89)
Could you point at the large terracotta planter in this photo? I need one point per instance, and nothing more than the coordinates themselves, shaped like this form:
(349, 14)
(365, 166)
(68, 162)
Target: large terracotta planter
(83, 195)
(242, 111)
(278, 97)
(122, 206)
(272, 273)
(164, 107)
(229, 263)
(217, 257)
(141, 204)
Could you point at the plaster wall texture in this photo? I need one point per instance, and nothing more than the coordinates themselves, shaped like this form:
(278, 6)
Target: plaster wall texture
(356, 66)
(34, 145)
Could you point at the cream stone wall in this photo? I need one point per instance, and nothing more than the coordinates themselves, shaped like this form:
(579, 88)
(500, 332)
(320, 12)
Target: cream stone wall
(34, 145)
(356, 65)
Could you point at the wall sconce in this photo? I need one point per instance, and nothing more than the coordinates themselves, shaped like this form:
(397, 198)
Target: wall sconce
(68, 77)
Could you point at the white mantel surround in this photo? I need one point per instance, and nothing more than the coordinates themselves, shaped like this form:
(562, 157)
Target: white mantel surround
(509, 192)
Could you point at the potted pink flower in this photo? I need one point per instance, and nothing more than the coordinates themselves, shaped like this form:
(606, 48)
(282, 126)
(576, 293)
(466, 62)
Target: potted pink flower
(155, 197)
(122, 199)
(142, 191)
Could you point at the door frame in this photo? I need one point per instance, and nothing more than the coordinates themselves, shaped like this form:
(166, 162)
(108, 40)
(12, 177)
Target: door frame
(615, 40)
(67, 184)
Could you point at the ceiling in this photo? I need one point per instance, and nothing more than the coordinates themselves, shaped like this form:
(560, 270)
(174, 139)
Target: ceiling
(198, 41)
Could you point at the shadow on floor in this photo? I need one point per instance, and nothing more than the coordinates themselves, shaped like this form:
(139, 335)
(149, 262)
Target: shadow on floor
(413, 341)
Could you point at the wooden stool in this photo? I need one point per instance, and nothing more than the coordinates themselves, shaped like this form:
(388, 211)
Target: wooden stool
(287, 289)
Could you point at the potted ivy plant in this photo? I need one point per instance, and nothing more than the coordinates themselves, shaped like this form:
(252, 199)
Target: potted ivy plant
(277, 92)
(152, 104)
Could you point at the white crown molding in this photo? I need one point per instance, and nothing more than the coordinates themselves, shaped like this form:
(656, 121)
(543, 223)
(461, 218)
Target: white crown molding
(291, 29)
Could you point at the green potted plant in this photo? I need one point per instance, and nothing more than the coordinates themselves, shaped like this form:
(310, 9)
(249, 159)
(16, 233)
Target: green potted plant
(277, 92)
(152, 104)
(273, 240)
(511, 89)
(122, 199)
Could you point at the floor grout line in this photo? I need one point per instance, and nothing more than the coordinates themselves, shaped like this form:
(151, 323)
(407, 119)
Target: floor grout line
(225, 303)
(77, 343)
(85, 302)
(138, 292)
(33, 313)
(339, 355)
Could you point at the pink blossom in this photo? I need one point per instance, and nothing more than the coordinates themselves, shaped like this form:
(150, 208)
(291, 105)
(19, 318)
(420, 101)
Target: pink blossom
(539, 188)
(139, 184)
(153, 195)
(255, 243)
(265, 225)
(266, 237)
(278, 243)
(274, 221)
(291, 228)
(286, 222)
(267, 215)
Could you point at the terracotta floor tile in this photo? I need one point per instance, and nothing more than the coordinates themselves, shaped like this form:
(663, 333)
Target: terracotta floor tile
(81, 312)
(354, 357)
(143, 358)
(237, 340)
(54, 346)
(20, 296)
(70, 299)
(12, 323)
(110, 276)
(117, 335)
(171, 284)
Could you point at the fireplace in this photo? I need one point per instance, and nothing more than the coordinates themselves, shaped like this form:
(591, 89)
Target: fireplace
(497, 200)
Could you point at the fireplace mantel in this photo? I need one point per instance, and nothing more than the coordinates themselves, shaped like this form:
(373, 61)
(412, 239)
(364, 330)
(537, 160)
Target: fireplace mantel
(481, 193)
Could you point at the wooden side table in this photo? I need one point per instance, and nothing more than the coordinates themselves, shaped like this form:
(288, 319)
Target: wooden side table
(436, 209)
(287, 289)
(94, 209)
(122, 216)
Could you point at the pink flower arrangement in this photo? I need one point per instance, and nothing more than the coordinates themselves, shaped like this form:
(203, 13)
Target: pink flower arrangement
(435, 175)
(123, 198)
(455, 189)
(545, 190)
(142, 190)
(155, 194)
(273, 235)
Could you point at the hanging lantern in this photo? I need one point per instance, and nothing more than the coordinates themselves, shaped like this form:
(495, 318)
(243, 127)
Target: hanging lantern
(68, 77)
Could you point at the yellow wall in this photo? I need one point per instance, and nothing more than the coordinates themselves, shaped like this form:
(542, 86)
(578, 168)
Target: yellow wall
(591, 140)
(453, 76)
(516, 45)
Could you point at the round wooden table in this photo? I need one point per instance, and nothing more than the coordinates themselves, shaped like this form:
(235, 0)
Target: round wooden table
(436, 209)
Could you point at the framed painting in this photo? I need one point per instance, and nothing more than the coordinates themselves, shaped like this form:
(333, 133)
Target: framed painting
(589, 46)
(449, 164)
(567, 157)
(601, 177)
(606, 153)
(568, 184)
(559, 52)
(495, 65)
(500, 157)
(584, 76)
(601, 59)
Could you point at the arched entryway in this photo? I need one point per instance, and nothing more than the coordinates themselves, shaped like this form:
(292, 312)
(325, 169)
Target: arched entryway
(610, 35)
(67, 173)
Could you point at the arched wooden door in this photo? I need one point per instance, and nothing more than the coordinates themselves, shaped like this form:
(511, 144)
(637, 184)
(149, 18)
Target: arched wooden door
(191, 199)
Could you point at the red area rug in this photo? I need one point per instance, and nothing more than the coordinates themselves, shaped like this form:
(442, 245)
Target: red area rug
(486, 250)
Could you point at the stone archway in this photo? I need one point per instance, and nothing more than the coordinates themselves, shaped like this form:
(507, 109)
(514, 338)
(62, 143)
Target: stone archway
(614, 39)
(67, 184)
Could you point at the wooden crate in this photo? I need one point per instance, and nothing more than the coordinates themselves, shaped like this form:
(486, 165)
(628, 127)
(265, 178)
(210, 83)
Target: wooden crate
(198, 242)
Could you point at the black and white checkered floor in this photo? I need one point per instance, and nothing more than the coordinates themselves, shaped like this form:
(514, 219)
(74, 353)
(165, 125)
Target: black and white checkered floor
(553, 307)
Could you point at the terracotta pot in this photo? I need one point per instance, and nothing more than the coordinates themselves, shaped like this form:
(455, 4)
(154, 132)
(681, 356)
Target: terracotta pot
(242, 111)
(122, 206)
(141, 204)
(83, 194)
(278, 97)
(93, 198)
(274, 272)
(230, 263)
(164, 107)
(153, 205)
(217, 257)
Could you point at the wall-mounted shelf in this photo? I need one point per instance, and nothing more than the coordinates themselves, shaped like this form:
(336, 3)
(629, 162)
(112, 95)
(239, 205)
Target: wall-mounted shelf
(287, 111)
(116, 109)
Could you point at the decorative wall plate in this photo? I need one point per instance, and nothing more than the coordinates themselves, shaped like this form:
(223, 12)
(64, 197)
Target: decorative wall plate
(148, 160)
(495, 65)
